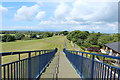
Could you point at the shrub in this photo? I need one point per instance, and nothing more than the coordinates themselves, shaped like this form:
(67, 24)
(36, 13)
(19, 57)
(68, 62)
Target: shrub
(19, 36)
(8, 38)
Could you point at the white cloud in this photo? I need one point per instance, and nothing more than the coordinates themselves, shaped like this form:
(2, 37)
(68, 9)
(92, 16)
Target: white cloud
(26, 13)
(61, 11)
(113, 26)
(79, 14)
(40, 15)
(87, 11)
(86, 15)
(3, 10)
(94, 11)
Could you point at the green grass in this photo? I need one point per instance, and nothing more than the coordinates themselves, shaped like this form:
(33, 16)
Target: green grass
(5, 34)
(29, 45)
(39, 44)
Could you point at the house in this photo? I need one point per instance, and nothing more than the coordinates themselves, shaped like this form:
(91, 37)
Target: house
(95, 49)
(113, 48)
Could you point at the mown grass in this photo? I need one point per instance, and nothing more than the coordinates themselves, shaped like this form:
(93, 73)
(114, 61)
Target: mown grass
(5, 34)
(29, 45)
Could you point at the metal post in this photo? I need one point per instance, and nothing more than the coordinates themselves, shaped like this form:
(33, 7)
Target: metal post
(19, 65)
(0, 68)
(92, 67)
(82, 64)
(29, 65)
(39, 63)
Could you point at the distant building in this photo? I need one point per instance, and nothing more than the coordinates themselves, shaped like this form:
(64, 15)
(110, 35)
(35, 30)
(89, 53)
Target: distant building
(95, 49)
(113, 48)
(37, 35)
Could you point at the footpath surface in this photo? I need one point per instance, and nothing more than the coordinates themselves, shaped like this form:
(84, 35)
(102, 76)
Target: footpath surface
(60, 67)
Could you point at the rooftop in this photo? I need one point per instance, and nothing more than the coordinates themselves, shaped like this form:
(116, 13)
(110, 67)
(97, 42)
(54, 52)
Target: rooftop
(115, 46)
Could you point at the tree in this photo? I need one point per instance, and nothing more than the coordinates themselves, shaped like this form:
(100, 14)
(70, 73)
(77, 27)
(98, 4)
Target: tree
(104, 39)
(47, 34)
(75, 35)
(8, 38)
(64, 32)
(19, 36)
(79, 42)
(117, 37)
(92, 39)
(33, 35)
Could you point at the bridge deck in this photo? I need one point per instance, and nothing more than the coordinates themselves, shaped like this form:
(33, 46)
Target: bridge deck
(60, 67)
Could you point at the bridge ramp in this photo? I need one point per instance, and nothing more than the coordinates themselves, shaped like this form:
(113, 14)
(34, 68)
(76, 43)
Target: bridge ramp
(60, 67)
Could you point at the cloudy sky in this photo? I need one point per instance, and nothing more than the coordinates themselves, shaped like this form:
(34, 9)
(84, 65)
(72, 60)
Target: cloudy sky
(60, 15)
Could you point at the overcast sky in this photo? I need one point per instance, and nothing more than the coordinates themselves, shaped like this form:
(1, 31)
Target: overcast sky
(59, 16)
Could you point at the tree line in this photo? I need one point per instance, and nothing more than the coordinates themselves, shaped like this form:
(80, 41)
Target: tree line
(8, 36)
(86, 39)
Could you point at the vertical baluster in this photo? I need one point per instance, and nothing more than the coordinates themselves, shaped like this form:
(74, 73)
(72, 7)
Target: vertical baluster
(111, 73)
(14, 71)
(4, 72)
(105, 73)
(19, 65)
(35, 54)
(23, 68)
(118, 74)
(8, 71)
(82, 63)
(98, 70)
(39, 62)
(29, 65)
(114, 74)
(11, 72)
(0, 67)
(92, 67)
(108, 72)
(17, 70)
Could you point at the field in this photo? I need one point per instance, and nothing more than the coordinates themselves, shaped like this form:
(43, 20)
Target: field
(9, 34)
(29, 45)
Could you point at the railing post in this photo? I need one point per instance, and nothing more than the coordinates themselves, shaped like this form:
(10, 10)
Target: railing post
(82, 64)
(39, 62)
(29, 65)
(0, 68)
(19, 65)
(92, 67)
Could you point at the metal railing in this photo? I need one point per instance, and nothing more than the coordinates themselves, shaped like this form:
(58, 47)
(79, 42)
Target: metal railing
(87, 66)
(28, 68)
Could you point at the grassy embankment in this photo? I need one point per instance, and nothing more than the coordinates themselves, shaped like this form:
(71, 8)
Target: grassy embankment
(29, 45)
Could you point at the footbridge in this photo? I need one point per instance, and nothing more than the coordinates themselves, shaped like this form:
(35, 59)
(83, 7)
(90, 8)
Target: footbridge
(54, 64)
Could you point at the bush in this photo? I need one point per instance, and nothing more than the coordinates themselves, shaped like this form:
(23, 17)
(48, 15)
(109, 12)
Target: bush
(92, 39)
(78, 36)
(19, 36)
(47, 34)
(104, 39)
(64, 32)
(8, 38)
(33, 35)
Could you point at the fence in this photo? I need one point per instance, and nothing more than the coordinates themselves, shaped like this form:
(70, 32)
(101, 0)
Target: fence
(28, 68)
(88, 67)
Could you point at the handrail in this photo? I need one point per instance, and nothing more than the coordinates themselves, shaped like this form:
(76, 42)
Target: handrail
(108, 56)
(30, 67)
(91, 68)
(20, 52)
